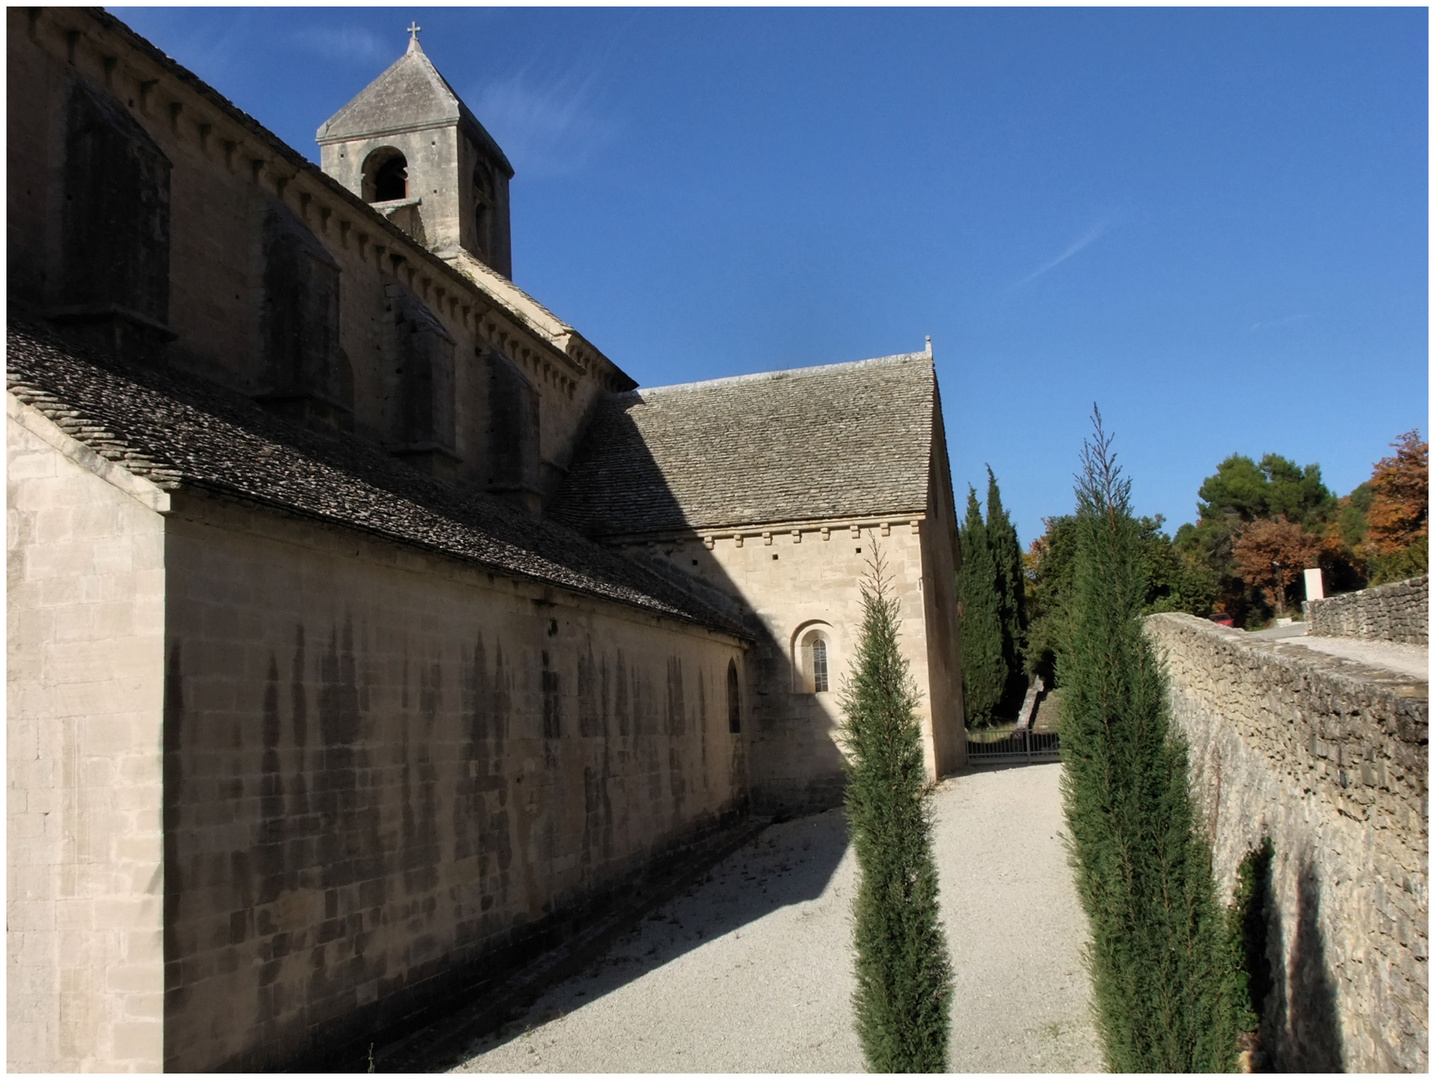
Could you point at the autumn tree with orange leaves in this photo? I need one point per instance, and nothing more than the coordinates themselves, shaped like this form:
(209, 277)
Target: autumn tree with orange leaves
(1270, 553)
(1398, 517)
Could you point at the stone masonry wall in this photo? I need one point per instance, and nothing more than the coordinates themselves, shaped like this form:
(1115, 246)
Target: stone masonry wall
(226, 176)
(383, 769)
(793, 579)
(1329, 759)
(85, 647)
(1399, 611)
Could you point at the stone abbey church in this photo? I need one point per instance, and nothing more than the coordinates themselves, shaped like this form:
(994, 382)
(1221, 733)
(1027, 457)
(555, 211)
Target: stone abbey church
(365, 621)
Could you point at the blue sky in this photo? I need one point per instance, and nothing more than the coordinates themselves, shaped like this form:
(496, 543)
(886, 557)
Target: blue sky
(1212, 222)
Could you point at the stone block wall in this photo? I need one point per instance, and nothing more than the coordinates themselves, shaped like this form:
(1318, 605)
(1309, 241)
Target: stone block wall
(85, 626)
(226, 175)
(1329, 759)
(383, 769)
(793, 579)
(1399, 611)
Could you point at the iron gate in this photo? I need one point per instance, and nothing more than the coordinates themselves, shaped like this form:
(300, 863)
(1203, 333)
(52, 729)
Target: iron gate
(1020, 747)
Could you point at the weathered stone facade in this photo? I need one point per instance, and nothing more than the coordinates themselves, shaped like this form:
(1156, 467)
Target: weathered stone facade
(1329, 759)
(318, 714)
(402, 767)
(84, 654)
(1399, 611)
(790, 554)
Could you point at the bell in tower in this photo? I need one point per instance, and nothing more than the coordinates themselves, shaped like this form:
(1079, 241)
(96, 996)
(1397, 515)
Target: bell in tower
(409, 146)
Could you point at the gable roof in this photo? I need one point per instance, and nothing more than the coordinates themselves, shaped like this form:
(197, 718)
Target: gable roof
(410, 93)
(840, 441)
(180, 432)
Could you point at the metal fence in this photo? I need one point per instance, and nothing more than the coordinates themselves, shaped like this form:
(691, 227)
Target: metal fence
(1020, 747)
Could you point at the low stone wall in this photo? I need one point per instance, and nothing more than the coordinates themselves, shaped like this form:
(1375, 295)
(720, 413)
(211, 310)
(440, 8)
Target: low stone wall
(1329, 759)
(1399, 611)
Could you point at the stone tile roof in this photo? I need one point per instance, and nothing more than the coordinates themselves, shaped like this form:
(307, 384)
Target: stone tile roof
(409, 93)
(180, 432)
(844, 440)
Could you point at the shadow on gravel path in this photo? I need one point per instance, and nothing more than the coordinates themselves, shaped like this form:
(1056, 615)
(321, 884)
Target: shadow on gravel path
(750, 969)
(761, 878)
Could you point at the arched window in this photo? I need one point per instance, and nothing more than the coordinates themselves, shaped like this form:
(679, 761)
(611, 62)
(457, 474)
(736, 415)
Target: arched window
(814, 661)
(734, 703)
(386, 176)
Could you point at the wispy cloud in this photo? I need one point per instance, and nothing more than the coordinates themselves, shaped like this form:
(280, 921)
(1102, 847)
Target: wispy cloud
(346, 43)
(546, 126)
(1085, 240)
(1266, 324)
(214, 43)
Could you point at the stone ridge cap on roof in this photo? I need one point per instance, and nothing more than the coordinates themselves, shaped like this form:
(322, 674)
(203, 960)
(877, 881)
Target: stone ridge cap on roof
(773, 376)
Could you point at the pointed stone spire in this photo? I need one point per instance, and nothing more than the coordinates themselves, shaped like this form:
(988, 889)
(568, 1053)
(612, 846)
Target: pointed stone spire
(410, 121)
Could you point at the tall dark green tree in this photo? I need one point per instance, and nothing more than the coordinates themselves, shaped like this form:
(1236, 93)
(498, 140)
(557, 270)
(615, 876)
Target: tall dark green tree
(904, 981)
(984, 672)
(1011, 595)
(1164, 989)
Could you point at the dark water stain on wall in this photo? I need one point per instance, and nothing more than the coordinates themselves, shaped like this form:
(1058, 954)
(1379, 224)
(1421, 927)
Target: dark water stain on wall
(676, 729)
(298, 805)
(597, 801)
(473, 774)
(590, 722)
(347, 826)
(550, 684)
(270, 849)
(622, 709)
(421, 849)
(499, 824)
(298, 698)
(676, 725)
(703, 729)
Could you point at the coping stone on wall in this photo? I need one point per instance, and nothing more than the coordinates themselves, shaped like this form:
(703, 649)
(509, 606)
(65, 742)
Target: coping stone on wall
(1399, 612)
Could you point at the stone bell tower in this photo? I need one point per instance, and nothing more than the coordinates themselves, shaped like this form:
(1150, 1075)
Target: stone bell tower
(410, 147)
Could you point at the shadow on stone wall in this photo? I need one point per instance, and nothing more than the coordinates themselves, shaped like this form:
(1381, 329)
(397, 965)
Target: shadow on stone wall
(794, 765)
(1302, 1025)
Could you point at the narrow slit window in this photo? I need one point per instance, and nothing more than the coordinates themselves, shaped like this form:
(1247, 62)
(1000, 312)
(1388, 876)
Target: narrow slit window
(819, 666)
(734, 702)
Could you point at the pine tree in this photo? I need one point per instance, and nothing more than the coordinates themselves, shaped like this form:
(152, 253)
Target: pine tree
(1164, 992)
(904, 982)
(984, 672)
(1011, 594)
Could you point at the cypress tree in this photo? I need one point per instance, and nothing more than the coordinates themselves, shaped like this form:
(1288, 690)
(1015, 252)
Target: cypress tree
(984, 673)
(904, 982)
(1011, 594)
(1163, 988)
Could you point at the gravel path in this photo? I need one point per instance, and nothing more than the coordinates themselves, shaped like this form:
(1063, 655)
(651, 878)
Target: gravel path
(750, 970)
